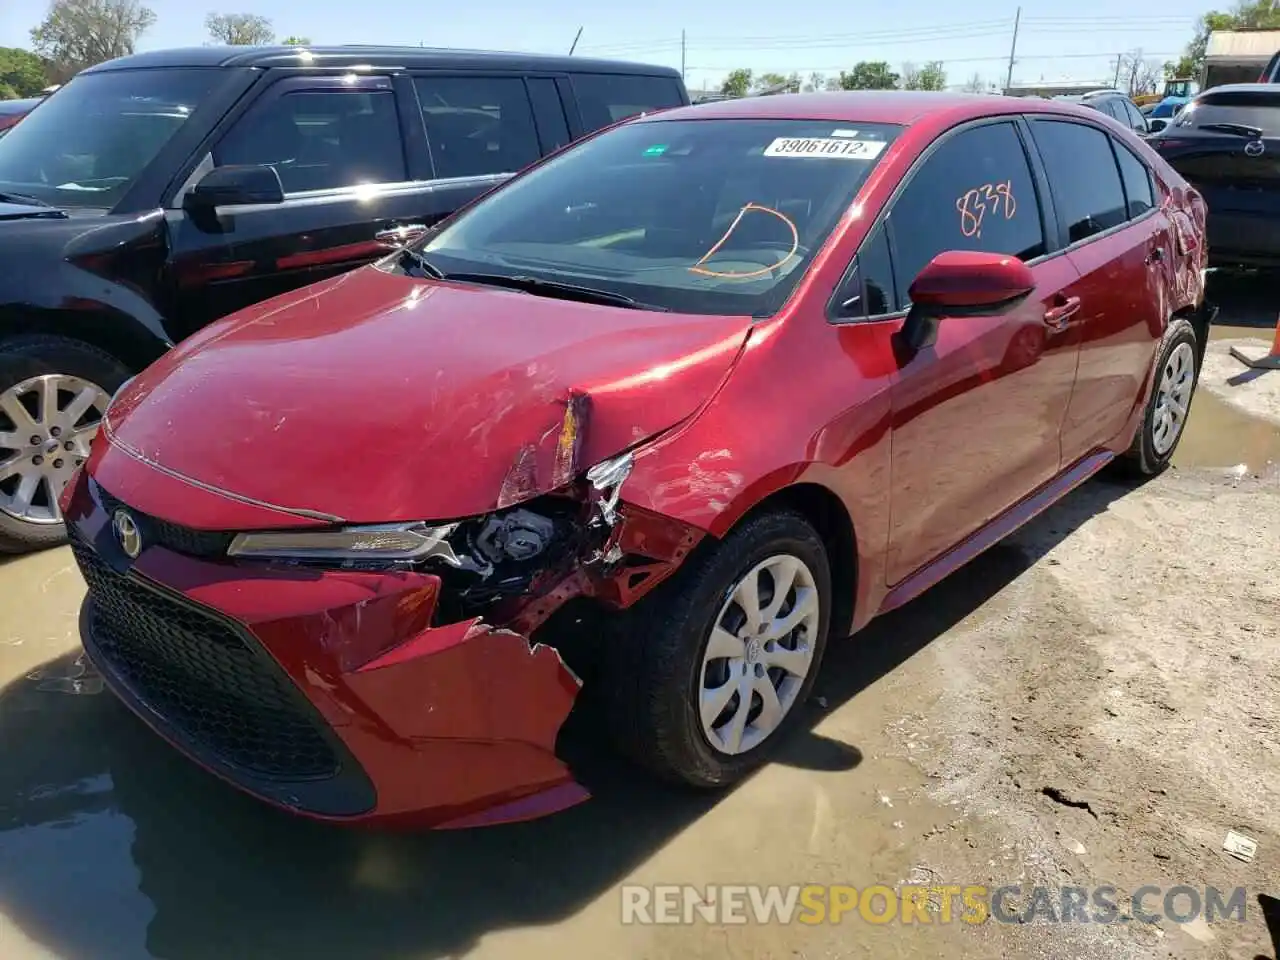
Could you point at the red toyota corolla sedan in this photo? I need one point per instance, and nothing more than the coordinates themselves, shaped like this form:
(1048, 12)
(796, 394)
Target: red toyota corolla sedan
(724, 381)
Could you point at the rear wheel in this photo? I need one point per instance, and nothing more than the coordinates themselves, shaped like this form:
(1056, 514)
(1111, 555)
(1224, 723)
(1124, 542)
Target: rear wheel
(711, 669)
(53, 394)
(1167, 410)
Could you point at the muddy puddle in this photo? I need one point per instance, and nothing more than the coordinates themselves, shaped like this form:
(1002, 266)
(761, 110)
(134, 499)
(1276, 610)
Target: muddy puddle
(1220, 435)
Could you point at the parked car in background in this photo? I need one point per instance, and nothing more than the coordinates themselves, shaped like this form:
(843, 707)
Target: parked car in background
(663, 381)
(1115, 105)
(11, 111)
(155, 193)
(1226, 142)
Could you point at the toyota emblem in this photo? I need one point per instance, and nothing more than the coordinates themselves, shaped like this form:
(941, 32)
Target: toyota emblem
(127, 533)
(1255, 148)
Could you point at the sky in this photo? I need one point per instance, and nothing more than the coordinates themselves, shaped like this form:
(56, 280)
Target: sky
(1079, 41)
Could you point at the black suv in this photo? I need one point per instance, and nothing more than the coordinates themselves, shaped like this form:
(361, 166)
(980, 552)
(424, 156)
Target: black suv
(158, 192)
(1115, 105)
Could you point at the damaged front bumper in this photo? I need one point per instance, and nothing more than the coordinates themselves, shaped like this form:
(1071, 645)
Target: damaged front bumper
(346, 694)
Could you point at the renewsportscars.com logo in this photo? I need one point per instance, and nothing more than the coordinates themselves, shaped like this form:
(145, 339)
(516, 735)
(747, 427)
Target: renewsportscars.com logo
(925, 904)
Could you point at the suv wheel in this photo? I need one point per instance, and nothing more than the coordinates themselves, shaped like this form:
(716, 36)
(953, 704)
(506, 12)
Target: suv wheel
(53, 394)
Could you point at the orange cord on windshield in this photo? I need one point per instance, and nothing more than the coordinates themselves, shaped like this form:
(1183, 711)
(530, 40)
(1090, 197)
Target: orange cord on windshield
(795, 245)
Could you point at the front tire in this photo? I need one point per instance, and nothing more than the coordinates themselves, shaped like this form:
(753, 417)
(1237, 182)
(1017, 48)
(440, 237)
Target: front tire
(54, 392)
(711, 670)
(1165, 418)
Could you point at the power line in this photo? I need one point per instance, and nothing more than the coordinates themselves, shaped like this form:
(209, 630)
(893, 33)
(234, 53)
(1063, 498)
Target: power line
(999, 58)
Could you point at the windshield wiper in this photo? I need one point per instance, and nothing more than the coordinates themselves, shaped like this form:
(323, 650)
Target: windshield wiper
(23, 198)
(1239, 129)
(411, 260)
(555, 288)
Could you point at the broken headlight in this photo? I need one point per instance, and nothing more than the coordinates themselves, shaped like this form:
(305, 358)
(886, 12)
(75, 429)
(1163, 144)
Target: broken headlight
(373, 543)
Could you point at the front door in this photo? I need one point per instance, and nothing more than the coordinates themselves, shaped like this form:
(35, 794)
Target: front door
(976, 416)
(339, 146)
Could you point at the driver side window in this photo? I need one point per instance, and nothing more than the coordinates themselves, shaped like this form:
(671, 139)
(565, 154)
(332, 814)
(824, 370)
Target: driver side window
(974, 192)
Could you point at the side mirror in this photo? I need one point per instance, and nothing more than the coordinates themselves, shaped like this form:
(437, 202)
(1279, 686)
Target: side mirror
(963, 283)
(1156, 125)
(226, 186)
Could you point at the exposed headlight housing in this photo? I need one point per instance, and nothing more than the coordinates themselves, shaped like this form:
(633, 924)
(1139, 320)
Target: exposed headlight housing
(376, 542)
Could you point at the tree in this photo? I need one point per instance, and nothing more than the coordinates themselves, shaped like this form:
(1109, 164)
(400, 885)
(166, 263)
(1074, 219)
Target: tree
(975, 84)
(296, 41)
(815, 83)
(1245, 15)
(868, 75)
(1138, 75)
(21, 72)
(769, 83)
(79, 33)
(929, 77)
(239, 29)
(737, 83)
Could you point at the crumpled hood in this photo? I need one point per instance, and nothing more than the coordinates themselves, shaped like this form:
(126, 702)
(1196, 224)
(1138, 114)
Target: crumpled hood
(375, 397)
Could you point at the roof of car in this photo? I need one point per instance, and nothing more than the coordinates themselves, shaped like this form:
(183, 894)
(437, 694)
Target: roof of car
(378, 57)
(865, 106)
(1269, 88)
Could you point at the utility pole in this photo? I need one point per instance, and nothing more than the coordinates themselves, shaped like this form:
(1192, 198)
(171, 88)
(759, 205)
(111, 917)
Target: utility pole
(1013, 49)
(1119, 60)
(682, 51)
(576, 37)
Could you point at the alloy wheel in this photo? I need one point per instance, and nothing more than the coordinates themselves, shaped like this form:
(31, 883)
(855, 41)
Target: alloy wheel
(1173, 397)
(46, 426)
(759, 653)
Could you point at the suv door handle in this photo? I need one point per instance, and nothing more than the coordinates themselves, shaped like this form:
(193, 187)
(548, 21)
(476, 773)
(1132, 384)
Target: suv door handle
(401, 234)
(1057, 317)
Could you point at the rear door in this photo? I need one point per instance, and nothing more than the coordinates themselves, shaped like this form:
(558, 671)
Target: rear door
(345, 152)
(1119, 241)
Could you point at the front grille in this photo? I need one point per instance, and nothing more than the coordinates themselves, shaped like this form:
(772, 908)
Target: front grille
(208, 544)
(203, 677)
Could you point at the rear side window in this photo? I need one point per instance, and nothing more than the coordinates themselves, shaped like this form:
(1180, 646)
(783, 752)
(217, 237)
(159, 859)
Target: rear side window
(605, 98)
(974, 192)
(1135, 118)
(319, 140)
(1138, 192)
(1082, 175)
(478, 125)
(1252, 108)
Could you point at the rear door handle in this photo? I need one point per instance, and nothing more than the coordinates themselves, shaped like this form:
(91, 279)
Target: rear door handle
(1057, 317)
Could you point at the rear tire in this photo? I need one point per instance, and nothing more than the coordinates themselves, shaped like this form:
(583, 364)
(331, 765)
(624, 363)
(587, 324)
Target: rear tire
(1164, 420)
(662, 678)
(74, 380)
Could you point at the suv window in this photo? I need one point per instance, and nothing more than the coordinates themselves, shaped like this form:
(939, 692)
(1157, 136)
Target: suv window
(1253, 108)
(1083, 177)
(478, 125)
(321, 140)
(974, 192)
(606, 98)
(1137, 182)
(1135, 118)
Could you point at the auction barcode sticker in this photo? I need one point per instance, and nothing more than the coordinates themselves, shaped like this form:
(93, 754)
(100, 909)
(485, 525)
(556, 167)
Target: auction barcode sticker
(825, 147)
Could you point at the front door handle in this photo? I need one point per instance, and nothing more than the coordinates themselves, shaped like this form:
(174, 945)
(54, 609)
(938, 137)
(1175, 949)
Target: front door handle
(1155, 256)
(401, 234)
(1057, 316)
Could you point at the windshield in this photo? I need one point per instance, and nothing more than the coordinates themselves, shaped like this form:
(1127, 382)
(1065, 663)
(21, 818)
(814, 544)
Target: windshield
(696, 216)
(88, 143)
(1260, 109)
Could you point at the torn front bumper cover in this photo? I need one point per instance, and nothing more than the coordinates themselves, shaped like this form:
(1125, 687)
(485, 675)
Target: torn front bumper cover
(328, 693)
